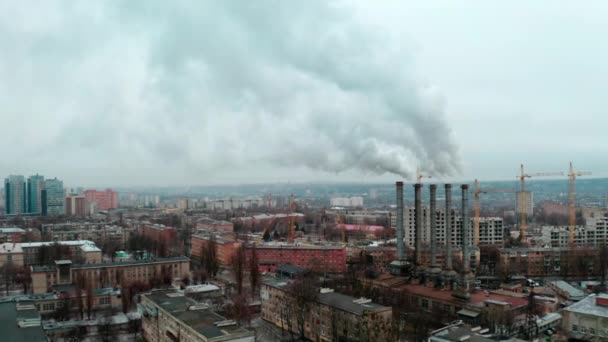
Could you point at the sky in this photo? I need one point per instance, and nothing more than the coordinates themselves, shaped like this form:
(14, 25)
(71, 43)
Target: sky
(107, 93)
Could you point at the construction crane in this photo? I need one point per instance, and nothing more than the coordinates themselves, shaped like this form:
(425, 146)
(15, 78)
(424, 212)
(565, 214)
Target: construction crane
(419, 175)
(266, 230)
(476, 192)
(571, 210)
(522, 203)
(291, 230)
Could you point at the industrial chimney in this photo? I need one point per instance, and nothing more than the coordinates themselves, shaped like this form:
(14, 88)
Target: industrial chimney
(466, 259)
(448, 227)
(400, 228)
(433, 218)
(418, 224)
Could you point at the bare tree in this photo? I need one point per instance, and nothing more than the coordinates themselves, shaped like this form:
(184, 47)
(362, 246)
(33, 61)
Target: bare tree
(8, 275)
(239, 268)
(90, 298)
(254, 271)
(302, 293)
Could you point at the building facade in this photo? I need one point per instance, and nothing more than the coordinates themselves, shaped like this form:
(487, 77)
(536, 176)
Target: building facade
(587, 320)
(15, 195)
(35, 185)
(320, 258)
(331, 316)
(225, 248)
(524, 202)
(53, 203)
(105, 200)
(75, 205)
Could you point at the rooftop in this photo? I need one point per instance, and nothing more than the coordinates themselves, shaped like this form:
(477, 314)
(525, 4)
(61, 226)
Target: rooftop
(336, 300)
(204, 321)
(45, 268)
(11, 248)
(571, 290)
(588, 306)
(11, 330)
(296, 245)
(63, 243)
(90, 248)
(11, 230)
(477, 298)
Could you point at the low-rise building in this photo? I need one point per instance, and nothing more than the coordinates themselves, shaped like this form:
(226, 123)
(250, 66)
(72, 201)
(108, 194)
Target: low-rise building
(170, 316)
(225, 248)
(587, 319)
(36, 253)
(11, 234)
(321, 258)
(101, 275)
(331, 316)
(567, 291)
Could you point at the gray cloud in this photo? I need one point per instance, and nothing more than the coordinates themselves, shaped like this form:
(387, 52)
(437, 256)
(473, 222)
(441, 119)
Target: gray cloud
(189, 89)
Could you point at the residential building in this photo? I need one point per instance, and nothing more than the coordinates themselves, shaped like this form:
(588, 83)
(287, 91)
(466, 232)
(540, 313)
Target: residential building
(75, 205)
(35, 185)
(549, 261)
(206, 223)
(15, 195)
(53, 202)
(525, 203)
(587, 320)
(103, 275)
(11, 234)
(593, 234)
(170, 316)
(30, 252)
(104, 200)
(355, 201)
(331, 316)
(491, 229)
(98, 232)
(161, 234)
(225, 248)
(322, 258)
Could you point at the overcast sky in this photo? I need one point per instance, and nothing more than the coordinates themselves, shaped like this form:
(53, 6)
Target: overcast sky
(102, 93)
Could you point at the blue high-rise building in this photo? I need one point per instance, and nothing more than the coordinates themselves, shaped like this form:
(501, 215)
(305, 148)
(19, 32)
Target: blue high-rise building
(35, 185)
(15, 195)
(53, 197)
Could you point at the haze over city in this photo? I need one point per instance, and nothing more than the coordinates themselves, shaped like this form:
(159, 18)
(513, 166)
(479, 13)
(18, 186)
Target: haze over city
(203, 92)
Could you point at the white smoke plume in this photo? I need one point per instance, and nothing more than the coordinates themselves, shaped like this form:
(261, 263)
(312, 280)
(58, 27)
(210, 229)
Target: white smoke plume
(209, 85)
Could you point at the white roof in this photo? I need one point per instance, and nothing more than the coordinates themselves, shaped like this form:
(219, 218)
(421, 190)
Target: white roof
(201, 288)
(10, 248)
(63, 243)
(11, 230)
(588, 306)
(90, 248)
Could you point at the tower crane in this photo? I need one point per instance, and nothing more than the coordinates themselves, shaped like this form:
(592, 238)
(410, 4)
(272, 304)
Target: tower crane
(291, 230)
(419, 175)
(522, 203)
(476, 192)
(572, 174)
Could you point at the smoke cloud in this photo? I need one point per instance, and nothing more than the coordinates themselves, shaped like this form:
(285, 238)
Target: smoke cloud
(197, 87)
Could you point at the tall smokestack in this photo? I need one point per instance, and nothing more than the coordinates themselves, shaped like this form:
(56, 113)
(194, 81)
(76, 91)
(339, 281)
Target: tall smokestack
(400, 228)
(448, 227)
(466, 260)
(433, 218)
(418, 223)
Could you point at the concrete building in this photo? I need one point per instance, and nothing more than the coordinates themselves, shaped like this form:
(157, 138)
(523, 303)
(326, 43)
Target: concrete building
(53, 197)
(75, 205)
(491, 229)
(567, 291)
(15, 195)
(159, 233)
(11, 234)
(35, 185)
(355, 201)
(27, 254)
(103, 275)
(170, 316)
(98, 232)
(587, 319)
(321, 258)
(225, 248)
(525, 202)
(593, 234)
(104, 200)
(332, 316)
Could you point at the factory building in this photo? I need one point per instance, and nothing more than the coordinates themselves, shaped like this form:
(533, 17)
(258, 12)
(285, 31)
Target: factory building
(321, 258)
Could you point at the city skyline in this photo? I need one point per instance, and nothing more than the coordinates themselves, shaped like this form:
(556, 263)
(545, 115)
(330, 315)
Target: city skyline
(253, 105)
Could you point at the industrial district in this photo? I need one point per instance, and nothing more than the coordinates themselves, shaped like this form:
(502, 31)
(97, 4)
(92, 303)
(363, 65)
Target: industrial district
(402, 262)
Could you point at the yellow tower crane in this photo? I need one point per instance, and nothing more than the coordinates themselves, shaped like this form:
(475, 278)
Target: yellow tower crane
(476, 192)
(571, 209)
(522, 201)
(292, 209)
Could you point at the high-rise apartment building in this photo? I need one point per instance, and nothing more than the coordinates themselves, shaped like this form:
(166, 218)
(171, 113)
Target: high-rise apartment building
(53, 198)
(15, 195)
(105, 200)
(75, 205)
(525, 202)
(35, 185)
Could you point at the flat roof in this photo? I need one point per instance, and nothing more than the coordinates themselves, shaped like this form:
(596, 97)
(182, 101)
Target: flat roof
(11, 331)
(572, 291)
(11, 230)
(44, 268)
(203, 321)
(588, 306)
(63, 243)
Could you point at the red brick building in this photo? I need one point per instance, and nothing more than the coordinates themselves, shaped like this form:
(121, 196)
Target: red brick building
(319, 258)
(106, 199)
(75, 205)
(225, 248)
(160, 233)
(11, 234)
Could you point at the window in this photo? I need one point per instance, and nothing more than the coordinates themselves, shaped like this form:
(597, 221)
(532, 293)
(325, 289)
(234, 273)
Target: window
(591, 331)
(104, 301)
